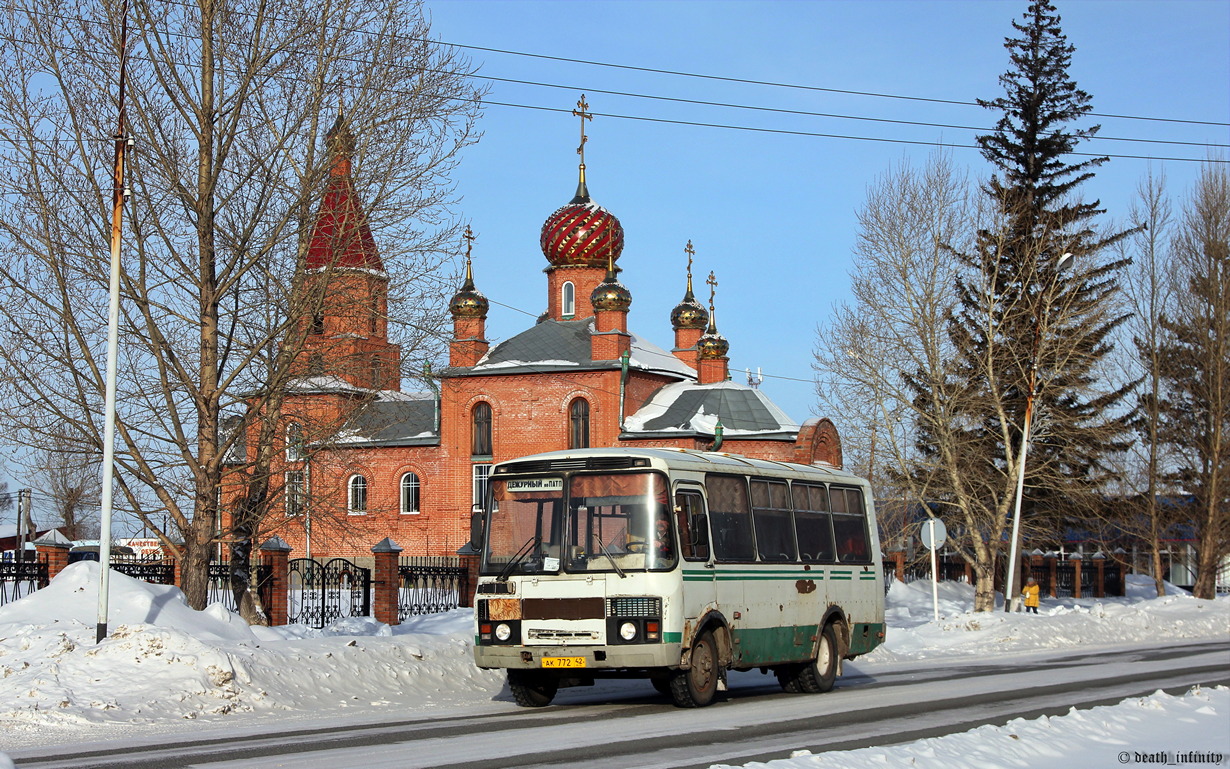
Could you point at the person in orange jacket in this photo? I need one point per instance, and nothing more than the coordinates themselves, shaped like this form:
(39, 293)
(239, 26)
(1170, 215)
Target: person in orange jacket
(1031, 592)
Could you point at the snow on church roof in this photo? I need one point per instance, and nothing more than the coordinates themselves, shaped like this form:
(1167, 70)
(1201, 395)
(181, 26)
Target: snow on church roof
(554, 345)
(687, 408)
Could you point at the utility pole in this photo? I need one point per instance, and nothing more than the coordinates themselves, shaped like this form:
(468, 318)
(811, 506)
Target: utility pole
(25, 522)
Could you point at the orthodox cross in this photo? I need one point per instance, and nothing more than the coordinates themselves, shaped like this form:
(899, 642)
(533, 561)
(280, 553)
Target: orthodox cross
(712, 281)
(690, 252)
(581, 112)
(469, 236)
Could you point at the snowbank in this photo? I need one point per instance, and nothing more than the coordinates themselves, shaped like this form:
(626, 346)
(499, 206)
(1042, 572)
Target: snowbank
(1141, 617)
(164, 662)
(1123, 734)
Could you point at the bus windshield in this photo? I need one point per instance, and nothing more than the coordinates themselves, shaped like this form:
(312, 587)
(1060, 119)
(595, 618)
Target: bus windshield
(614, 522)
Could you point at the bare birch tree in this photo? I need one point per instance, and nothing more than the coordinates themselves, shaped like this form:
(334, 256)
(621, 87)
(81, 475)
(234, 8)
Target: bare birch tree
(1194, 361)
(903, 290)
(68, 472)
(1149, 287)
(228, 105)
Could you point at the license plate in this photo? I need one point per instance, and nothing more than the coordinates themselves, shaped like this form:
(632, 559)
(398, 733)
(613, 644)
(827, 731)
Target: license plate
(563, 662)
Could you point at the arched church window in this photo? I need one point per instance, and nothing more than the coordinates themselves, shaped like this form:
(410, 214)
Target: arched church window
(410, 493)
(568, 300)
(356, 497)
(318, 323)
(480, 443)
(578, 424)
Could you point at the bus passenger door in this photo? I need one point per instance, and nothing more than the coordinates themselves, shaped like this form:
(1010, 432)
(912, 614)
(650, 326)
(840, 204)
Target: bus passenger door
(699, 594)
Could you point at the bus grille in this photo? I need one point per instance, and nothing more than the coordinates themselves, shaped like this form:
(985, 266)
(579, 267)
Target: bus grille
(633, 607)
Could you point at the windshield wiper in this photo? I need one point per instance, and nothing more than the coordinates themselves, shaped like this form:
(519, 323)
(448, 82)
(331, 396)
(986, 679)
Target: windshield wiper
(607, 553)
(529, 545)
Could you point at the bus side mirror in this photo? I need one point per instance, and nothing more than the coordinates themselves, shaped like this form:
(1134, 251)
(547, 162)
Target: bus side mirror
(476, 530)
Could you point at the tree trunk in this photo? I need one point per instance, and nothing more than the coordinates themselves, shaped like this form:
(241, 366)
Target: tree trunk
(194, 562)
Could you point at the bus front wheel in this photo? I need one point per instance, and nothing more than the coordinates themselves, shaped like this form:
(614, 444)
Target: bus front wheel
(532, 689)
(697, 686)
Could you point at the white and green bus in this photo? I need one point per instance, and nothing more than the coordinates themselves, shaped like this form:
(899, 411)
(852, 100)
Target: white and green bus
(675, 566)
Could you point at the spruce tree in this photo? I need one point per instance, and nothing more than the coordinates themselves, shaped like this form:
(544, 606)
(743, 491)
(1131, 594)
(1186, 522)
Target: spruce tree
(1020, 322)
(1061, 325)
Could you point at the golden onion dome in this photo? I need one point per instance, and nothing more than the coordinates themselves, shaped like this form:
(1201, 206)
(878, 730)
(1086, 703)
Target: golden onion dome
(610, 294)
(712, 345)
(689, 313)
(468, 302)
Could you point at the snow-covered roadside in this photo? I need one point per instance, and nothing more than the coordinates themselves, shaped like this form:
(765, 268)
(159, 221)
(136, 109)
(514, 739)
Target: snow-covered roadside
(164, 663)
(1157, 730)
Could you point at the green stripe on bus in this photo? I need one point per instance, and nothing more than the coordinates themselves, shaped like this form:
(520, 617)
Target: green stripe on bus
(672, 638)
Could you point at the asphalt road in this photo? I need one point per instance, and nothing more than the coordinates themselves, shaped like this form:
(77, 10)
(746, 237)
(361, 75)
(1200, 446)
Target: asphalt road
(630, 727)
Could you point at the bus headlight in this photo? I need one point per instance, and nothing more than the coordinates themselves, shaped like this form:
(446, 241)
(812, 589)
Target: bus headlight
(627, 631)
(503, 632)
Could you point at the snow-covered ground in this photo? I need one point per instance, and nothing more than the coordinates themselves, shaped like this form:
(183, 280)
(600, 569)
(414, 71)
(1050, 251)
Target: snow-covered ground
(164, 663)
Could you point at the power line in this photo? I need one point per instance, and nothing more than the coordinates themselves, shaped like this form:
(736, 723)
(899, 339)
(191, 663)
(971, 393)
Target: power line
(793, 85)
(817, 134)
(770, 109)
(809, 113)
(722, 78)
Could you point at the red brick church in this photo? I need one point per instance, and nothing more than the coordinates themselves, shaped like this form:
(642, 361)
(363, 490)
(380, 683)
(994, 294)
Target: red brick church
(412, 466)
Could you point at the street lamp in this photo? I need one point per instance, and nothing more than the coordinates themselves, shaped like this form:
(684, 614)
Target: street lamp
(1010, 598)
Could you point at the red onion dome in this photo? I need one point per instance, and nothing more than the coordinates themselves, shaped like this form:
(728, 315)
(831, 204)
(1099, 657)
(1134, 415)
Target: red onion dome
(582, 233)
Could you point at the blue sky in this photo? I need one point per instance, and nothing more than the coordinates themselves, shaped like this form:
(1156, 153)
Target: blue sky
(774, 215)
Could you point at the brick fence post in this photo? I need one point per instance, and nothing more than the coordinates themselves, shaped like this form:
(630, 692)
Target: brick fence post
(276, 553)
(386, 582)
(1076, 560)
(170, 554)
(1099, 587)
(56, 554)
(898, 559)
(469, 560)
(1052, 560)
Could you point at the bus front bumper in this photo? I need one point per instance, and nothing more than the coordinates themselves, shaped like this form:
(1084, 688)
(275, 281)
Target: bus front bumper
(578, 660)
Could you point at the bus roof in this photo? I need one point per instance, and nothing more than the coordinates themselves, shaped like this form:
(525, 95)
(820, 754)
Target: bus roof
(695, 461)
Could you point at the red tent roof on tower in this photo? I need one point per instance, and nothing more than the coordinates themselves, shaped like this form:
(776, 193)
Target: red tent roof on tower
(341, 236)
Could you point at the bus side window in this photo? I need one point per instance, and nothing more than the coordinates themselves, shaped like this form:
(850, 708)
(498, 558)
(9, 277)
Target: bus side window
(771, 518)
(731, 518)
(849, 525)
(693, 526)
(812, 523)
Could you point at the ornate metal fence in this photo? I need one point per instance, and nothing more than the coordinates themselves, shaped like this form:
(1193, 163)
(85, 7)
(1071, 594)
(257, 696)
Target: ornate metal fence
(430, 585)
(220, 584)
(321, 593)
(154, 569)
(20, 578)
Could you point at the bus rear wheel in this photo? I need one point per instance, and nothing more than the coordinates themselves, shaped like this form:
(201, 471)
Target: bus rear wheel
(816, 676)
(819, 675)
(697, 686)
(532, 689)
